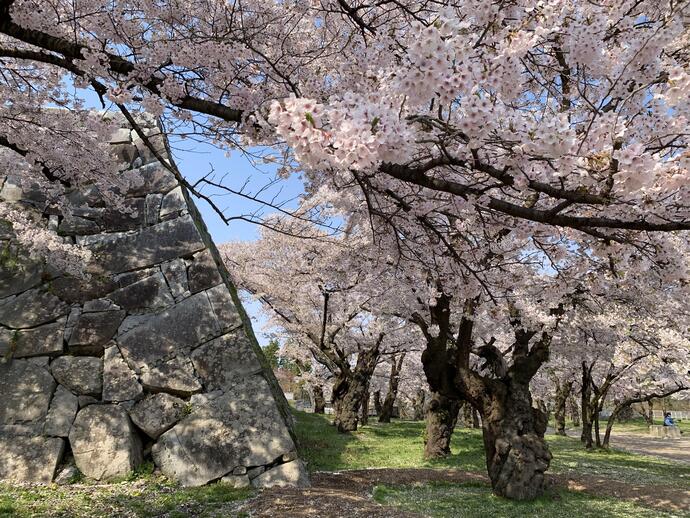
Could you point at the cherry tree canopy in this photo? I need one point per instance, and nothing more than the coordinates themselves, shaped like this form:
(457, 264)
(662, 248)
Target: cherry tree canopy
(562, 113)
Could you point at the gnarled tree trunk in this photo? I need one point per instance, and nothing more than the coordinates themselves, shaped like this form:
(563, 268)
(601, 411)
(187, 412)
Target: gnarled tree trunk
(441, 417)
(562, 394)
(392, 393)
(349, 389)
(319, 401)
(516, 453)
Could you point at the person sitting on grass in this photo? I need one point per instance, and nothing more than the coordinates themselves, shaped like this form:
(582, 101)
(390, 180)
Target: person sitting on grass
(668, 420)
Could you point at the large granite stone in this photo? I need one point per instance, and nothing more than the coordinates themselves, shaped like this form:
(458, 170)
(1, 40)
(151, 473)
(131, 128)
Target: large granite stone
(148, 294)
(175, 376)
(241, 428)
(26, 390)
(29, 459)
(173, 203)
(63, 409)
(290, 474)
(169, 333)
(176, 276)
(120, 383)
(104, 442)
(202, 272)
(39, 341)
(19, 276)
(31, 308)
(74, 290)
(119, 252)
(148, 179)
(224, 307)
(83, 375)
(157, 413)
(224, 361)
(93, 331)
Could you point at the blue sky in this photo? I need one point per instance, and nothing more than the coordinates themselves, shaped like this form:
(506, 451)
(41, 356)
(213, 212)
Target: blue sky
(195, 160)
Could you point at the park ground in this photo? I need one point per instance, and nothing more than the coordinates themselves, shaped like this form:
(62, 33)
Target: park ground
(379, 471)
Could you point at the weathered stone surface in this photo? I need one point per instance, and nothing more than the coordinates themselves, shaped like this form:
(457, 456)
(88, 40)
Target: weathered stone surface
(120, 383)
(175, 376)
(153, 206)
(18, 276)
(43, 340)
(31, 308)
(293, 474)
(236, 481)
(148, 294)
(169, 333)
(149, 179)
(63, 409)
(119, 252)
(85, 401)
(96, 305)
(80, 374)
(203, 272)
(157, 413)
(93, 331)
(29, 459)
(132, 217)
(104, 442)
(76, 225)
(26, 391)
(172, 203)
(224, 307)
(66, 475)
(224, 361)
(243, 427)
(73, 290)
(176, 275)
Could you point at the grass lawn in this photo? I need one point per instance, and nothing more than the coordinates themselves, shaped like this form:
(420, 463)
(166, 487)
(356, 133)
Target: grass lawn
(143, 497)
(441, 500)
(400, 445)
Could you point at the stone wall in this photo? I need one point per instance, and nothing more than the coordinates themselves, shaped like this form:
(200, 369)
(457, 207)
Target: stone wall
(152, 356)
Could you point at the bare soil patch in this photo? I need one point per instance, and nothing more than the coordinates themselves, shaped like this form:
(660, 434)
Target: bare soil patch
(349, 493)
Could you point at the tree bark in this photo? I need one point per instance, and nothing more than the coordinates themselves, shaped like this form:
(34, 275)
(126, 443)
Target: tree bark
(418, 405)
(319, 401)
(392, 393)
(441, 417)
(586, 393)
(377, 402)
(574, 411)
(349, 389)
(365, 407)
(562, 395)
(516, 453)
(649, 417)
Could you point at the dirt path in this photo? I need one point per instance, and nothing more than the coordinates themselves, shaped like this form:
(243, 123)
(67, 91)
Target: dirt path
(348, 493)
(673, 449)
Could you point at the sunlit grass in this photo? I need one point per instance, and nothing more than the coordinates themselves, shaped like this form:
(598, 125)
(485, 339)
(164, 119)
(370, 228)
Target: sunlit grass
(441, 500)
(400, 445)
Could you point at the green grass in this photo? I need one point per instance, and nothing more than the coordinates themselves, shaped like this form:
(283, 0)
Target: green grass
(440, 500)
(148, 497)
(400, 445)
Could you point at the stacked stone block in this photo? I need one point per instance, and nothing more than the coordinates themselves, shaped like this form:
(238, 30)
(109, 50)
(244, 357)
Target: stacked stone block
(152, 355)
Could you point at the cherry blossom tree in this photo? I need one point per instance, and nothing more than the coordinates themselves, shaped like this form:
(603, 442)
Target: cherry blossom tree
(325, 301)
(507, 157)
